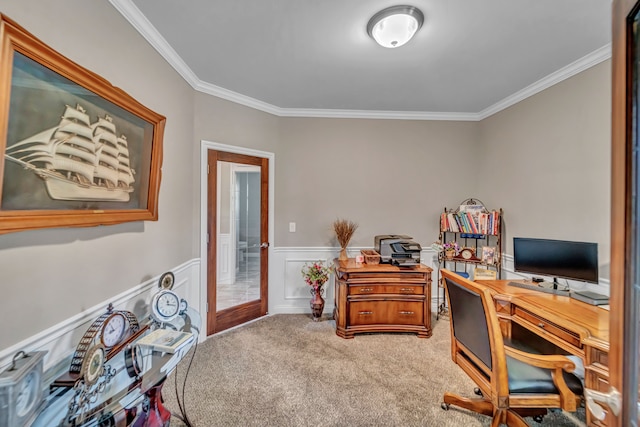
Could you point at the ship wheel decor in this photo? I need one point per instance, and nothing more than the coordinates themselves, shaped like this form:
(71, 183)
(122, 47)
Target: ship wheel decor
(96, 375)
(167, 280)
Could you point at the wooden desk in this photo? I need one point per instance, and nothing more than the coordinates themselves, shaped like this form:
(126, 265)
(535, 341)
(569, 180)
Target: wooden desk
(574, 326)
(382, 298)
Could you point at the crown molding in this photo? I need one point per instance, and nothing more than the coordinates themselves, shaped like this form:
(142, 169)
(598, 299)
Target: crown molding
(135, 17)
(372, 114)
(247, 101)
(587, 61)
(140, 22)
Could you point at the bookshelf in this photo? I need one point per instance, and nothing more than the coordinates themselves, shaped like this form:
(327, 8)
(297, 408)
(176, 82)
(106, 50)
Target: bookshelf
(475, 233)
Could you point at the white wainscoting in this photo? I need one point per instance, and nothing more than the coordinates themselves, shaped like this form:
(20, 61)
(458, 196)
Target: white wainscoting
(226, 265)
(288, 293)
(61, 340)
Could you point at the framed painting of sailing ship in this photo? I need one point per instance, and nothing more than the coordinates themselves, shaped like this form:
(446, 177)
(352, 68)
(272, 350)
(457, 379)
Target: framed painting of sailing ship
(75, 150)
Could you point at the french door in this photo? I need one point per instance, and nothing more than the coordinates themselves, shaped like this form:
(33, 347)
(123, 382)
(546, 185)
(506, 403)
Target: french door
(625, 210)
(237, 249)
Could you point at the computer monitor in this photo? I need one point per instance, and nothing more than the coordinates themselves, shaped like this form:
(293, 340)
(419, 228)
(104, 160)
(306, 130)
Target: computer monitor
(556, 258)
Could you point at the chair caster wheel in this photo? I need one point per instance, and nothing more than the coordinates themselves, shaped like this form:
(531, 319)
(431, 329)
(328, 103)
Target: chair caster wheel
(444, 406)
(477, 391)
(538, 418)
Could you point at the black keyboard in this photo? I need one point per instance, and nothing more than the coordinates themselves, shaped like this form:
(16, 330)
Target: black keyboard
(539, 288)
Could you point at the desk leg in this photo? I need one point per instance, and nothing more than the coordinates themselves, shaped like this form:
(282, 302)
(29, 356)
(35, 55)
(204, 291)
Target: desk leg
(153, 413)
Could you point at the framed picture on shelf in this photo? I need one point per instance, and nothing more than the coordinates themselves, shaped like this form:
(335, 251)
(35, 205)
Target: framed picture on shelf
(74, 149)
(488, 255)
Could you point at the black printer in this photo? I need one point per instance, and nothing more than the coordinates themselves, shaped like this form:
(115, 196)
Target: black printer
(398, 249)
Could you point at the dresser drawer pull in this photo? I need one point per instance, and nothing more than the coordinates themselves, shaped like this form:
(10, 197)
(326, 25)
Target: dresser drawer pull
(408, 313)
(365, 313)
(406, 289)
(541, 325)
(366, 289)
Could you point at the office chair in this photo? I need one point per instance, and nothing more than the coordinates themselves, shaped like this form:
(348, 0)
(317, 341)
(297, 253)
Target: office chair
(512, 383)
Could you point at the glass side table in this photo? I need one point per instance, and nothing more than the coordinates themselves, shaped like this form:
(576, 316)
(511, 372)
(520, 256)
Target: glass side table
(127, 393)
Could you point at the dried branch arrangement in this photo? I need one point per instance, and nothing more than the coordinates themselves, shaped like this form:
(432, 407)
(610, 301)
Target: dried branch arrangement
(344, 231)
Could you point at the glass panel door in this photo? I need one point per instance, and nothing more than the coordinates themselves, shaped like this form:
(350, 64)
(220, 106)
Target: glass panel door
(620, 395)
(632, 358)
(239, 235)
(237, 228)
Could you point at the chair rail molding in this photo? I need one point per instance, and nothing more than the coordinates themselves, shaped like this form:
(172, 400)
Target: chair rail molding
(60, 340)
(288, 293)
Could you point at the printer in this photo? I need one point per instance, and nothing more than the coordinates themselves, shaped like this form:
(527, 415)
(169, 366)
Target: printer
(398, 249)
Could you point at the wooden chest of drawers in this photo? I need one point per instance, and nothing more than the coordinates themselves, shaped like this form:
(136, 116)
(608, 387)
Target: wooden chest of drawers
(382, 298)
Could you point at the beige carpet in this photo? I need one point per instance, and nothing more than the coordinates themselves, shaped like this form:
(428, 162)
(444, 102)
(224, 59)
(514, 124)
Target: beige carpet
(286, 370)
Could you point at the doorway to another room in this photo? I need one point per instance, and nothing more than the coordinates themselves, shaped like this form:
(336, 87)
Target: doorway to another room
(237, 249)
(239, 235)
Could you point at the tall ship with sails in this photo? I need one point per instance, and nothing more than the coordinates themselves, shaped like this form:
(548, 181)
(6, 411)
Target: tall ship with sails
(77, 159)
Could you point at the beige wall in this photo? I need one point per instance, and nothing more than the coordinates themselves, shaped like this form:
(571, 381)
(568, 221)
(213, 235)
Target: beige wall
(389, 176)
(383, 174)
(545, 161)
(51, 275)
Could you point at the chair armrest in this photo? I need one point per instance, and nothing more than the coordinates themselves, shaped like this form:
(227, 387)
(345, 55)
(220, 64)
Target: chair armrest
(556, 364)
(546, 361)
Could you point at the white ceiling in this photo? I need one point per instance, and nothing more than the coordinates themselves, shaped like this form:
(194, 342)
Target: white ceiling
(314, 58)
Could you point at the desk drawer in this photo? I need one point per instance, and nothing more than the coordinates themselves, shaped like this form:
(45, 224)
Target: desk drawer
(565, 335)
(379, 288)
(406, 275)
(386, 312)
(599, 357)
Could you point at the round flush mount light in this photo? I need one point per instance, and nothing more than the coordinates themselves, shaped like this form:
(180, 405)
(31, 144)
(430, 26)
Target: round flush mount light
(394, 26)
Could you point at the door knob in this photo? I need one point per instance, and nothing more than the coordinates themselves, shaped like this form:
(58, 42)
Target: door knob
(264, 245)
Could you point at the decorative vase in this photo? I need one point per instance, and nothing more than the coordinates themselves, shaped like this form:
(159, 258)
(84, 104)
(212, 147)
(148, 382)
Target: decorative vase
(343, 254)
(449, 254)
(317, 302)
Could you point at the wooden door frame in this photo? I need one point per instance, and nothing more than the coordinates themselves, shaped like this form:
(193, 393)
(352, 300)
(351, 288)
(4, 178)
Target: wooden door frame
(621, 209)
(205, 146)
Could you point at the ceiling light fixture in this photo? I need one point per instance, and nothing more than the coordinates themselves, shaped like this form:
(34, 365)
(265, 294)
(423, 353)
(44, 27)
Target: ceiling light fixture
(395, 25)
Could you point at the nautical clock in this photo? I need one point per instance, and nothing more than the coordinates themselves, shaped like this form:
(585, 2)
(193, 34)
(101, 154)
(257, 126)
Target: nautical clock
(21, 390)
(166, 305)
(111, 330)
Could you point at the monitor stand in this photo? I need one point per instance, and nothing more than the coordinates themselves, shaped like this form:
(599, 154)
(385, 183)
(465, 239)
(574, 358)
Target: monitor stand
(546, 287)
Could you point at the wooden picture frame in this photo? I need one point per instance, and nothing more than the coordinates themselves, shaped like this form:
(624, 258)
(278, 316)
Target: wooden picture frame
(75, 151)
(488, 255)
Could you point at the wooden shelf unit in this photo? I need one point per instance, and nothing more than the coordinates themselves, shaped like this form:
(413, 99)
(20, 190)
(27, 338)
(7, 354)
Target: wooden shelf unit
(475, 236)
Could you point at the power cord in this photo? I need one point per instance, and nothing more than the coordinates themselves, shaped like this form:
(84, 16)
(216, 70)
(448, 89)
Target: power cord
(180, 399)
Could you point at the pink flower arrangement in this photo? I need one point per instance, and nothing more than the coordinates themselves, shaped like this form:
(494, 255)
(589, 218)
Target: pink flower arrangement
(316, 273)
(452, 246)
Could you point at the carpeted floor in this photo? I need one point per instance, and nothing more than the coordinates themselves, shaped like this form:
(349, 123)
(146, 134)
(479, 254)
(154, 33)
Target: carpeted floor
(286, 370)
